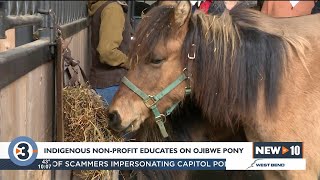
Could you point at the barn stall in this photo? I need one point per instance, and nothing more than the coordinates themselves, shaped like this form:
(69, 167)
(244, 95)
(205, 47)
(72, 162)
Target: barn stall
(31, 69)
(29, 66)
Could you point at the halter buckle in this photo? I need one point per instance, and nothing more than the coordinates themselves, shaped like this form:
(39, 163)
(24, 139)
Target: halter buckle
(187, 90)
(151, 100)
(193, 46)
(192, 57)
(160, 120)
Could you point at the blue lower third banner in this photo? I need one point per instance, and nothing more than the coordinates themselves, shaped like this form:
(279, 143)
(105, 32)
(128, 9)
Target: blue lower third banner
(118, 164)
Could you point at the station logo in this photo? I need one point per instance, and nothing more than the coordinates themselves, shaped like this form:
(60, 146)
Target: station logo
(23, 151)
(277, 150)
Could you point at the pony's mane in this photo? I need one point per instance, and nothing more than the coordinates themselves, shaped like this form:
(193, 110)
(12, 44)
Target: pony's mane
(239, 53)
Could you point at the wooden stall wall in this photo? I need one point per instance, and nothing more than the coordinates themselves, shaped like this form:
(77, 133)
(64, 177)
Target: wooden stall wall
(27, 104)
(26, 109)
(9, 42)
(80, 49)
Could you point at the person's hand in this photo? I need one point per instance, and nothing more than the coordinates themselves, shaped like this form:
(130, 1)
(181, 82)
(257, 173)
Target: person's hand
(230, 4)
(125, 65)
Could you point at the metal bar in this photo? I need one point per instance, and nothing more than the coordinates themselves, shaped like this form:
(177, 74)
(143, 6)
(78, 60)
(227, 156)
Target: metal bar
(59, 79)
(130, 13)
(35, 7)
(52, 27)
(18, 21)
(63, 13)
(9, 7)
(60, 12)
(19, 61)
(69, 11)
(42, 5)
(21, 8)
(18, 8)
(57, 12)
(83, 10)
(72, 12)
(27, 7)
(8, 22)
(72, 28)
(78, 11)
(130, 4)
(2, 15)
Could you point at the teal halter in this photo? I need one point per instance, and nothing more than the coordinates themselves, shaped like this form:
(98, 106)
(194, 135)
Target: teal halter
(151, 101)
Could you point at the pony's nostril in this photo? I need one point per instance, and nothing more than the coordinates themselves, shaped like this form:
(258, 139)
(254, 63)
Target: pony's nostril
(114, 118)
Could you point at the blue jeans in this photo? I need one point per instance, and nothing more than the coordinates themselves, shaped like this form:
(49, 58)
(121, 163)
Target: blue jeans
(108, 93)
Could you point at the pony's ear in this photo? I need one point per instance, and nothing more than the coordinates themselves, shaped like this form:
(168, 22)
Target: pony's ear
(168, 3)
(182, 12)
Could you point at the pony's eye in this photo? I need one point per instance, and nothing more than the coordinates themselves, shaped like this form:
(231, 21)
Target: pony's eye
(156, 61)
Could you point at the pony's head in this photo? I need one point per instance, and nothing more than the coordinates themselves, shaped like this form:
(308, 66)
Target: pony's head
(155, 63)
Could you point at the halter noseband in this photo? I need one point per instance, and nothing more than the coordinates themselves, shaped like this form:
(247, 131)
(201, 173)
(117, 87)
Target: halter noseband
(151, 101)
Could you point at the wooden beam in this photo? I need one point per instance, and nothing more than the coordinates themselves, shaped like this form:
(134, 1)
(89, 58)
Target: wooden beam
(9, 42)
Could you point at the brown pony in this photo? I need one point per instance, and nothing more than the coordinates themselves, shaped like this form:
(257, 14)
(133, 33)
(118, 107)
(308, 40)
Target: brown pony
(243, 64)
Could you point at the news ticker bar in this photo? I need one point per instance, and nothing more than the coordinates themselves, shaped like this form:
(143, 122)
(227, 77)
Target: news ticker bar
(118, 164)
(156, 164)
(24, 153)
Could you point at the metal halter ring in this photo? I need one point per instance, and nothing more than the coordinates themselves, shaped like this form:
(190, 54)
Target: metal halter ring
(162, 118)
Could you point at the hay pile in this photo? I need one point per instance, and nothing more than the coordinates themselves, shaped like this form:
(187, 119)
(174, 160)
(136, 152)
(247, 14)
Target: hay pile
(85, 120)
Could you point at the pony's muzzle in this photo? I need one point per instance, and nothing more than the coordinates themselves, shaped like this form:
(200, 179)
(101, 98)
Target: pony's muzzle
(114, 120)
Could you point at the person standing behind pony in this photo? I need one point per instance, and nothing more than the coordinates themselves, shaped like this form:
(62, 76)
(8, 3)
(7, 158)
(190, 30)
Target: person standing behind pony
(110, 37)
(218, 7)
(316, 8)
(287, 8)
(205, 5)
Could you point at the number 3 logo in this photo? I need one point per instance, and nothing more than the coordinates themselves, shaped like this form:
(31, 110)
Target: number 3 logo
(22, 151)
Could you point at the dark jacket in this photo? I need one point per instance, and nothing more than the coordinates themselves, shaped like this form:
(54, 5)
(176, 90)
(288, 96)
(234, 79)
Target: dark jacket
(217, 7)
(316, 8)
(110, 38)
